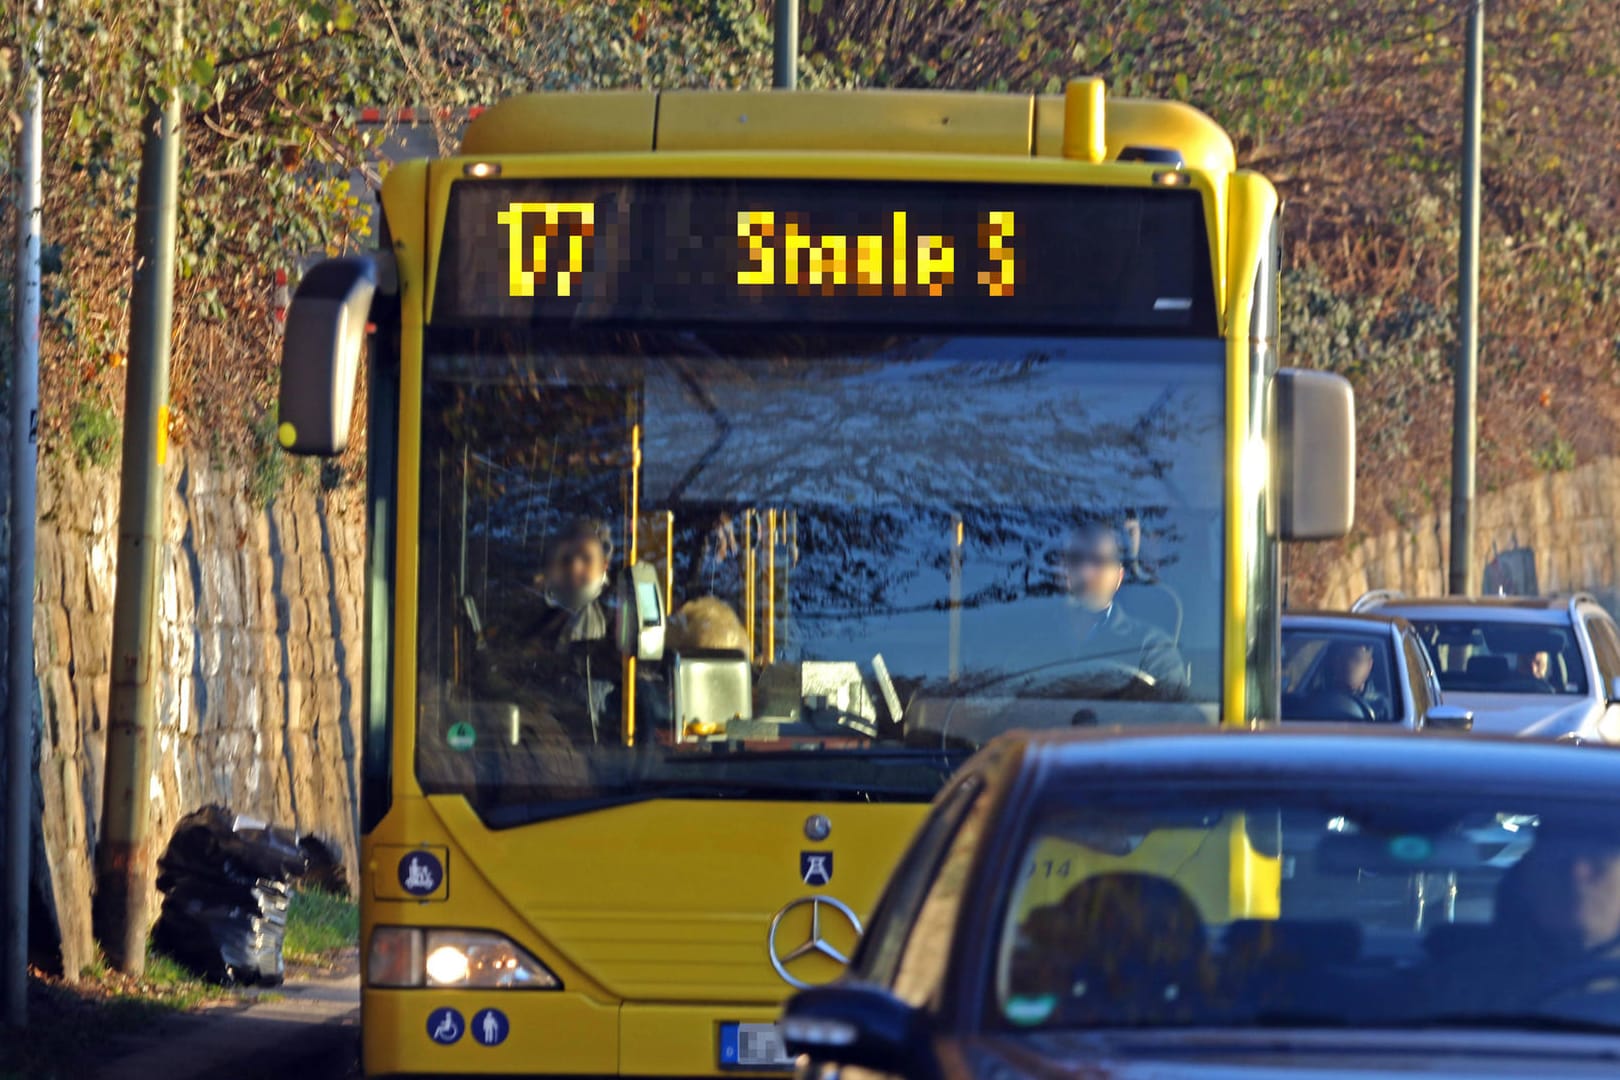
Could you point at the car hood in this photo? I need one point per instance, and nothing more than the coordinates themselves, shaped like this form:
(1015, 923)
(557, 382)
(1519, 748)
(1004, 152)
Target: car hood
(1537, 715)
(1255, 1054)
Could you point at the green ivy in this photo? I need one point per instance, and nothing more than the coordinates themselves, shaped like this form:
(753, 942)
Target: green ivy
(95, 433)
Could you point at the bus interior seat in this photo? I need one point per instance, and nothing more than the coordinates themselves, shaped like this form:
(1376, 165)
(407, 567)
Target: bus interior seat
(1491, 669)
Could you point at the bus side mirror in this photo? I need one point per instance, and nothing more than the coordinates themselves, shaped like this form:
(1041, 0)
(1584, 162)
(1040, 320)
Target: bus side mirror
(641, 614)
(1313, 425)
(320, 354)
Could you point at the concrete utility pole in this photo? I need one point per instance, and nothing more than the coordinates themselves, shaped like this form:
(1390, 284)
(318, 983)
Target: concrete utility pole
(786, 29)
(1465, 433)
(20, 612)
(122, 855)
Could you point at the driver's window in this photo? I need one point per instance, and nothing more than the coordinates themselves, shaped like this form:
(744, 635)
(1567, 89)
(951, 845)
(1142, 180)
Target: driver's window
(1338, 677)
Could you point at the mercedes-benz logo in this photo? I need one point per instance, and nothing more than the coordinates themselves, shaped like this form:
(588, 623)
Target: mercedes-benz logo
(816, 943)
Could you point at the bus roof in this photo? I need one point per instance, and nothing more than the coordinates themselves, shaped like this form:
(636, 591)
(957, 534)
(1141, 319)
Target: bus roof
(1081, 124)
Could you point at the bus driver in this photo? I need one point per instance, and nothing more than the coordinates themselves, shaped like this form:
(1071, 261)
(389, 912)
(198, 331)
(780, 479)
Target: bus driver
(1094, 570)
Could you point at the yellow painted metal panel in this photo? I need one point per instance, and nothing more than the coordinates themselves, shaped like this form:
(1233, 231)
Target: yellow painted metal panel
(679, 1040)
(1141, 122)
(682, 909)
(549, 1033)
(404, 196)
(1217, 867)
(603, 122)
(1047, 141)
(392, 863)
(894, 121)
(1202, 142)
(1084, 121)
(1256, 879)
(1252, 205)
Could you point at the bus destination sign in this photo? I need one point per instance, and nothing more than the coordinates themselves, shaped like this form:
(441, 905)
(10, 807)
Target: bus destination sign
(1039, 257)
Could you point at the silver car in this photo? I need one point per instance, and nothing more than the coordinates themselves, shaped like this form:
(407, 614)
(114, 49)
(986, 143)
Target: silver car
(1397, 684)
(1539, 667)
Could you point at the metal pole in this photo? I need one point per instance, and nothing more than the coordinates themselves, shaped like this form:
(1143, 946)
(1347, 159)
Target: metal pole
(786, 74)
(1464, 436)
(122, 855)
(20, 640)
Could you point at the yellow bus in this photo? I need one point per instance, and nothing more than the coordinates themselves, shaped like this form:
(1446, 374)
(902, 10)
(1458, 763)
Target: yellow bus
(738, 463)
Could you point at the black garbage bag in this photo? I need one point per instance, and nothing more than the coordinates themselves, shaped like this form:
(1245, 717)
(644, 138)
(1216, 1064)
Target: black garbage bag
(227, 884)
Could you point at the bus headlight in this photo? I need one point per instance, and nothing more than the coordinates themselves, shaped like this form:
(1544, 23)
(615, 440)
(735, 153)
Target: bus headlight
(453, 959)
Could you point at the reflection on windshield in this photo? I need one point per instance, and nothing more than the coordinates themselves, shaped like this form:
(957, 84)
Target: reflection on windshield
(843, 545)
(1500, 657)
(1395, 910)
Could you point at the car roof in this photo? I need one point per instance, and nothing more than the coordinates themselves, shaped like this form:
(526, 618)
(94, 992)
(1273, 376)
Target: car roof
(1348, 620)
(1524, 609)
(1311, 756)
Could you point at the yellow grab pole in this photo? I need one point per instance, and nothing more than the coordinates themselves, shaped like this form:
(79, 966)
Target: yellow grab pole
(629, 694)
(749, 570)
(770, 587)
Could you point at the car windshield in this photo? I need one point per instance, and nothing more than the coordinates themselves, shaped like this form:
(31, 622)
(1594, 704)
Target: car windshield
(1339, 675)
(1397, 908)
(856, 556)
(1499, 656)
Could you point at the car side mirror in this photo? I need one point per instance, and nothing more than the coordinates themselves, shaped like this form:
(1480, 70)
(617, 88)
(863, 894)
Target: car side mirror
(1614, 690)
(858, 1025)
(1312, 417)
(641, 614)
(1450, 718)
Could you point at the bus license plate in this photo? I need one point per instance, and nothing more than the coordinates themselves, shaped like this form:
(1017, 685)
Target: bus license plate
(753, 1046)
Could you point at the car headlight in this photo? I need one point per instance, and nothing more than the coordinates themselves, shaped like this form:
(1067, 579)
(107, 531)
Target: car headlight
(402, 956)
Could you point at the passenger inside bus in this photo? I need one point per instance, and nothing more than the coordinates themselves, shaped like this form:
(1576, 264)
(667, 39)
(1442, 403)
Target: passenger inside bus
(1094, 571)
(559, 656)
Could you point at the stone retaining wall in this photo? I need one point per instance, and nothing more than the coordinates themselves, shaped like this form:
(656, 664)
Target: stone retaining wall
(1568, 523)
(259, 639)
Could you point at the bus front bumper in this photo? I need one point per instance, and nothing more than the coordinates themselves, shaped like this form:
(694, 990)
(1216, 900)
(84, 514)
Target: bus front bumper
(408, 1033)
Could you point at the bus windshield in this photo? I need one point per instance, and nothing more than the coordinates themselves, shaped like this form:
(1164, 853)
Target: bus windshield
(870, 552)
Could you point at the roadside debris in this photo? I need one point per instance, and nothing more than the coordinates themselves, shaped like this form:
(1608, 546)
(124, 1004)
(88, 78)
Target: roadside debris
(227, 880)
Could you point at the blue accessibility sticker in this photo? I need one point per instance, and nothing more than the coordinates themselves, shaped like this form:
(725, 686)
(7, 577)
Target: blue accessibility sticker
(420, 873)
(445, 1026)
(490, 1027)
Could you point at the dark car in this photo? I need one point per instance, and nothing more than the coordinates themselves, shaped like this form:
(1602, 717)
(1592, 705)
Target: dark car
(1397, 683)
(974, 965)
